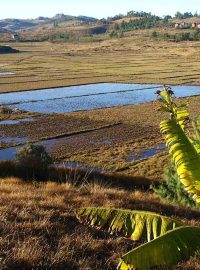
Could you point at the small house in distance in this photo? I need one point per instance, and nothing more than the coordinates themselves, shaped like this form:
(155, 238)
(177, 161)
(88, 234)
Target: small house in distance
(196, 25)
(15, 37)
(182, 25)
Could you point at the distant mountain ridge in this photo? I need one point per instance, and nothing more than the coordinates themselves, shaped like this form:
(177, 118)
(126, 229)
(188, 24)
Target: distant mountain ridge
(12, 25)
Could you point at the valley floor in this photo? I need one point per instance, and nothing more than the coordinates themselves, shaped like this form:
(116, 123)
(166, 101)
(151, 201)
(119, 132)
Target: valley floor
(132, 59)
(39, 229)
(121, 139)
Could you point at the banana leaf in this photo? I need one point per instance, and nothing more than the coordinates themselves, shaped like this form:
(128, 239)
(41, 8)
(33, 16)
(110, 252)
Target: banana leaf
(196, 135)
(185, 156)
(162, 253)
(135, 225)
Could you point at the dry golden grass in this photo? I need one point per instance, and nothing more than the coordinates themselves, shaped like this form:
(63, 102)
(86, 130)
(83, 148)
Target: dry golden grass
(39, 229)
(135, 58)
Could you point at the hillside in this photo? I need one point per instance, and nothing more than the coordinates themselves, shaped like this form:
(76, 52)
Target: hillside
(13, 25)
(68, 28)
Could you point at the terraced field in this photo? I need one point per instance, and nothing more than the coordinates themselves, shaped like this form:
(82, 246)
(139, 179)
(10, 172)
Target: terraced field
(120, 139)
(131, 59)
(92, 136)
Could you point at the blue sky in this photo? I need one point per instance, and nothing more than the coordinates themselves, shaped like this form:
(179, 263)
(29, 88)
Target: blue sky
(95, 8)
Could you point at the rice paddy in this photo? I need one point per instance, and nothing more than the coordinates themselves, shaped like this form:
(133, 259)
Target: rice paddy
(134, 59)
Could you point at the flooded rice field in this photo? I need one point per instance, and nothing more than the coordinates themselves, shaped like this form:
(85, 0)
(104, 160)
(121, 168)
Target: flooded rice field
(88, 97)
(10, 154)
(16, 121)
(6, 73)
(116, 139)
(146, 153)
(13, 140)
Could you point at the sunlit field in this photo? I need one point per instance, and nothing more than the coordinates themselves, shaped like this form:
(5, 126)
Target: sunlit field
(134, 59)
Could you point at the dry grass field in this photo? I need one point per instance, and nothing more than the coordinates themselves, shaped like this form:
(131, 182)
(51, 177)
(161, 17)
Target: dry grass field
(39, 229)
(134, 59)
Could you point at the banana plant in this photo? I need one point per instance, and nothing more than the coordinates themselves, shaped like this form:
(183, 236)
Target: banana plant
(135, 225)
(184, 151)
(168, 241)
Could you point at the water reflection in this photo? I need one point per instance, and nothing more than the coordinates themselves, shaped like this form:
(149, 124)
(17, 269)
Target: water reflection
(87, 97)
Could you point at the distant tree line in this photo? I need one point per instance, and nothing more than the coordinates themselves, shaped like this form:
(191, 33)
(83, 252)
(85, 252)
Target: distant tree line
(68, 37)
(143, 14)
(129, 14)
(178, 37)
(185, 15)
(151, 21)
(57, 37)
(138, 14)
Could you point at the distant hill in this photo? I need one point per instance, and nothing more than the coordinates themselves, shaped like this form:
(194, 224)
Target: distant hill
(68, 28)
(3, 30)
(62, 17)
(13, 25)
(87, 19)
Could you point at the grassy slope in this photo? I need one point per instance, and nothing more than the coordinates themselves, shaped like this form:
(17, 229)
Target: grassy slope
(39, 229)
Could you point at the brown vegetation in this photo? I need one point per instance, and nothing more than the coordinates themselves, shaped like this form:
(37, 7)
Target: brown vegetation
(135, 58)
(93, 138)
(39, 229)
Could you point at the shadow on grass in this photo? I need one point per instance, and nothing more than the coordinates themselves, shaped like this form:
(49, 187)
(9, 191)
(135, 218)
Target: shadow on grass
(74, 175)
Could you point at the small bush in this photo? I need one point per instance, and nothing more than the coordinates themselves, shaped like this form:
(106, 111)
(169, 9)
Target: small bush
(173, 190)
(154, 34)
(33, 157)
(6, 110)
(113, 33)
(178, 37)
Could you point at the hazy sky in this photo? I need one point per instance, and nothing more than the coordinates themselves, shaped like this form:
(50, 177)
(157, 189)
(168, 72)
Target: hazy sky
(95, 8)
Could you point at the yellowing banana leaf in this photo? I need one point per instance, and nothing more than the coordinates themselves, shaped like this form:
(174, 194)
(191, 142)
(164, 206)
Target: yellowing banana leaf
(162, 253)
(166, 97)
(178, 112)
(131, 224)
(196, 135)
(185, 156)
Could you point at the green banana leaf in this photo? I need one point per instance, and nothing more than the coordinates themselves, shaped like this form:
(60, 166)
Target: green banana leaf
(162, 253)
(131, 224)
(185, 156)
(196, 135)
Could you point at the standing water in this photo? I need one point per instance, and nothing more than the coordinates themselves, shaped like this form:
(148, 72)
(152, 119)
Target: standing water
(88, 97)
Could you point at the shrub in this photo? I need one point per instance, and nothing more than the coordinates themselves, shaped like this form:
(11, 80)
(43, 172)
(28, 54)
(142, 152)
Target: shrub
(113, 33)
(6, 110)
(173, 190)
(154, 34)
(178, 37)
(33, 157)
